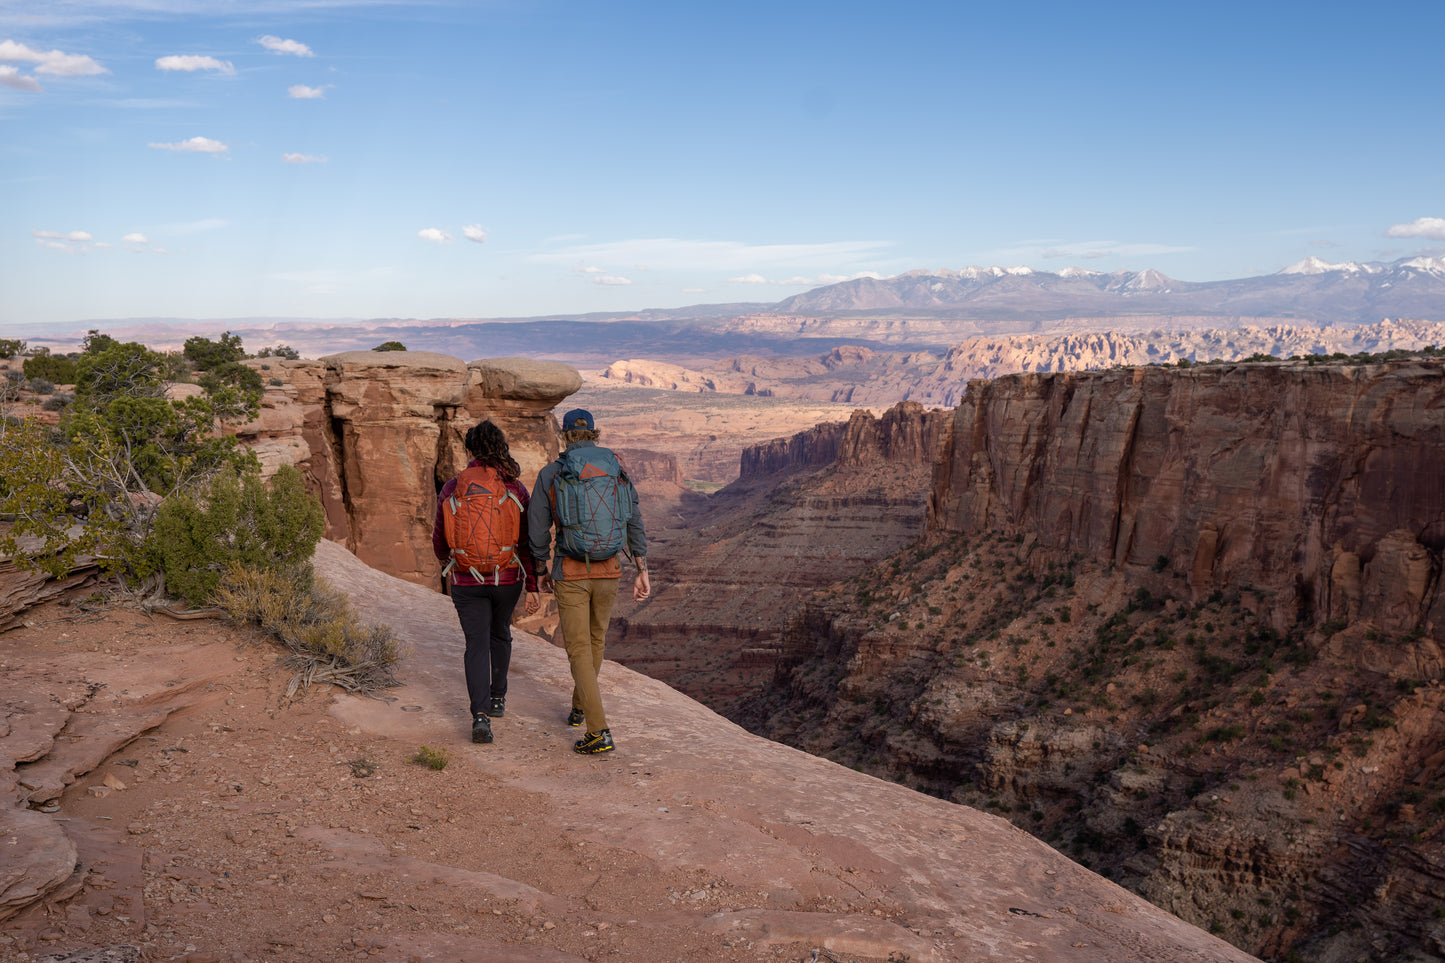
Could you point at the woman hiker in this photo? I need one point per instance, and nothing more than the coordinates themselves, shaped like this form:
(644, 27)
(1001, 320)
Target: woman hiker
(481, 532)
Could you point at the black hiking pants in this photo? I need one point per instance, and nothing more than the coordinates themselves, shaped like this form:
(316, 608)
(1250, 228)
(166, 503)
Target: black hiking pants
(485, 612)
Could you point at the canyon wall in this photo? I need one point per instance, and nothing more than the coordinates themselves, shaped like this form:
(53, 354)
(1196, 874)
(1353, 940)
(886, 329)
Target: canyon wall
(808, 510)
(1185, 625)
(1320, 485)
(810, 449)
(906, 434)
(377, 433)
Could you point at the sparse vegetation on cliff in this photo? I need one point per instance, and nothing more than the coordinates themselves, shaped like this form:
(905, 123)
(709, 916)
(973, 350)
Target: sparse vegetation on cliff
(328, 642)
(235, 521)
(149, 489)
(93, 486)
(1101, 731)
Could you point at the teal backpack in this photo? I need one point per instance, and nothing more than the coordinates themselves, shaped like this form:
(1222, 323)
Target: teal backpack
(591, 500)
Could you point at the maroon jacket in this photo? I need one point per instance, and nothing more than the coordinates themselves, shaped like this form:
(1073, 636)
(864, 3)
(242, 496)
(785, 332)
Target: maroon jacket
(509, 576)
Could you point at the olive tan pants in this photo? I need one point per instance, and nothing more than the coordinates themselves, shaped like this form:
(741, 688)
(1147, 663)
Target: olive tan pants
(584, 607)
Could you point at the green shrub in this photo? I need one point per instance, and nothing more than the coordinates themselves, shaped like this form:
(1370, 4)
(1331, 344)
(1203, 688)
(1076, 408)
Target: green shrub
(235, 522)
(207, 355)
(327, 641)
(94, 486)
(54, 368)
(236, 375)
(390, 346)
(9, 347)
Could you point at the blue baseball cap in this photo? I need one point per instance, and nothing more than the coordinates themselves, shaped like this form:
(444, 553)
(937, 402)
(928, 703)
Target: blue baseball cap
(578, 418)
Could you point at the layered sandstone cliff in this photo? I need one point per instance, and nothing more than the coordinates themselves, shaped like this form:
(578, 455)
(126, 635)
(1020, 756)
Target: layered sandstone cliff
(1321, 485)
(378, 432)
(1183, 624)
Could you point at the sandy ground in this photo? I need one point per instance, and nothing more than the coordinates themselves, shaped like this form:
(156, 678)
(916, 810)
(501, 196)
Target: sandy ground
(251, 827)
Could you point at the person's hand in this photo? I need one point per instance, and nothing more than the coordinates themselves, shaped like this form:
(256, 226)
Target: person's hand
(641, 588)
(544, 583)
(533, 603)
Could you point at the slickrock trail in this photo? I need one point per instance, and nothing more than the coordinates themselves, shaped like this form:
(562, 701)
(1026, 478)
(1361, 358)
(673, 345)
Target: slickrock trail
(250, 832)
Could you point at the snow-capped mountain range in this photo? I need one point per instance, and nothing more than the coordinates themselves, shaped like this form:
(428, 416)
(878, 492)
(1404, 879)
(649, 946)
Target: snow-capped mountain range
(1312, 290)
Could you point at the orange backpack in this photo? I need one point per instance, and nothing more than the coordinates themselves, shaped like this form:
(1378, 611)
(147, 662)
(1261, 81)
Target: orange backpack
(482, 520)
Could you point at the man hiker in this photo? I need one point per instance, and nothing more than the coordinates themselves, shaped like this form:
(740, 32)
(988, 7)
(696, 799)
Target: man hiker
(588, 497)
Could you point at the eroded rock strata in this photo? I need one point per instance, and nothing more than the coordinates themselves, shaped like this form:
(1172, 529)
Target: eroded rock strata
(378, 432)
(934, 364)
(808, 510)
(1320, 485)
(1183, 624)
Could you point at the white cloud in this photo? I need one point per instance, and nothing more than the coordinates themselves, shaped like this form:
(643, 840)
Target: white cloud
(434, 235)
(474, 232)
(57, 236)
(278, 46)
(193, 62)
(303, 158)
(589, 269)
(13, 78)
(672, 254)
(135, 239)
(694, 290)
(196, 145)
(303, 92)
(71, 242)
(610, 281)
(749, 279)
(1427, 227)
(56, 63)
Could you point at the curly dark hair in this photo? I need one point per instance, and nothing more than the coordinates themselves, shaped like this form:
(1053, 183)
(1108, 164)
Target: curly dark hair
(487, 444)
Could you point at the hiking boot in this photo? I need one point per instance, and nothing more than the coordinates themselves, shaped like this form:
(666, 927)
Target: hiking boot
(594, 742)
(499, 707)
(481, 729)
(576, 717)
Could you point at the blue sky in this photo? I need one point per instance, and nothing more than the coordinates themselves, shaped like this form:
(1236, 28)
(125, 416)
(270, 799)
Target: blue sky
(221, 159)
